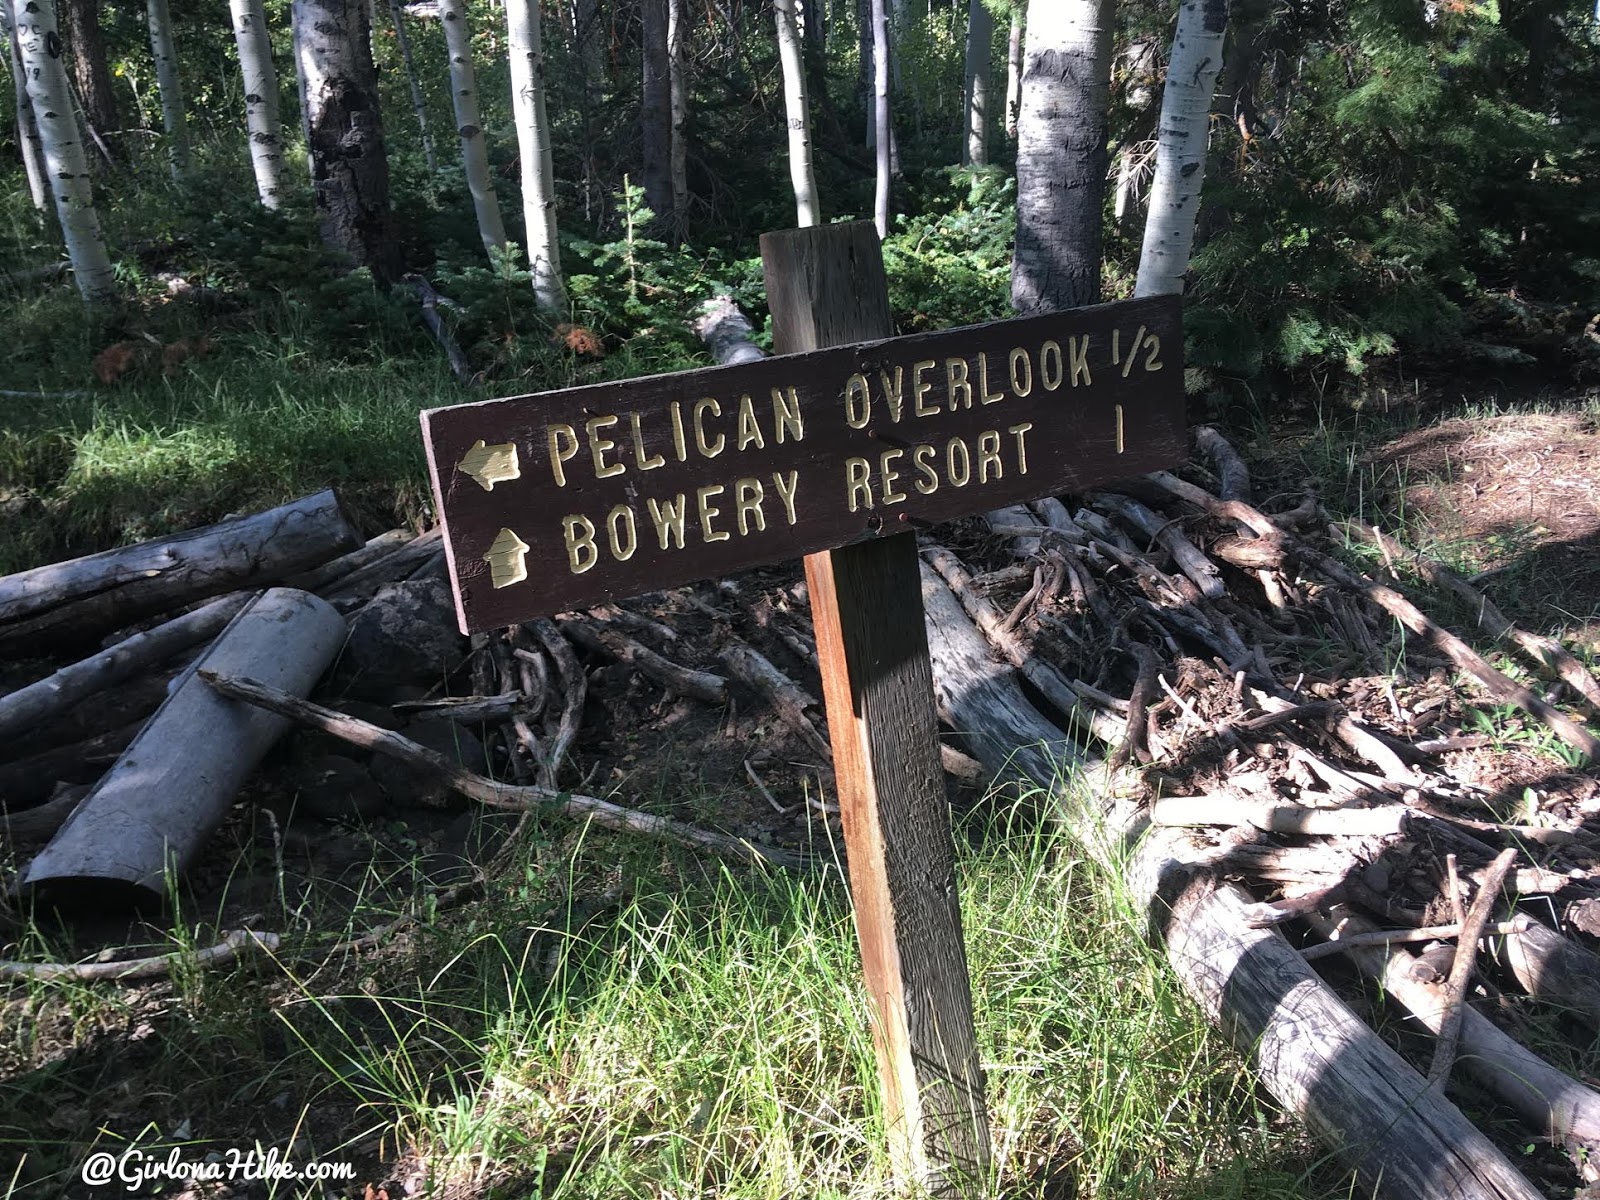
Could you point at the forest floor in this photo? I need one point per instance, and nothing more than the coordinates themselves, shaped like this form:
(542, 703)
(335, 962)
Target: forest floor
(556, 1010)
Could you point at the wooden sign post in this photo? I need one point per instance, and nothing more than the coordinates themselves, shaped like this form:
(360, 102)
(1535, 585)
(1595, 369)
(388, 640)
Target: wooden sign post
(837, 449)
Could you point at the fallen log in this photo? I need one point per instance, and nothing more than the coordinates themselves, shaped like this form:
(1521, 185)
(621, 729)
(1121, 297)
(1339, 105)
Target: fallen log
(153, 811)
(332, 572)
(430, 301)
(491, 792)
(363, 583)
(35, 704)
(40, 823)
(726, 331)
(1548, 1101)
(29, 781)
(1373, 1110)
(85, 597)
(1186, 811)
(1554, 969)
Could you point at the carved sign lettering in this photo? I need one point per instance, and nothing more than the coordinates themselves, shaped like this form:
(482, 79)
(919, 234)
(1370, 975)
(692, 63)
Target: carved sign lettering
(560, 500)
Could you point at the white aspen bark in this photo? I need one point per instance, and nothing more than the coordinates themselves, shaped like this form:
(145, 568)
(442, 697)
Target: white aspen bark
(883, 139)
(1061, 155)
(980, 32)
(66, 166)
(801, 174)
(27, 127)
(678, 84)
(1181, 147)
(1014, 73)
(469, 125)
(165, 53)
(403, 39)
(260, 98)
(533, 139)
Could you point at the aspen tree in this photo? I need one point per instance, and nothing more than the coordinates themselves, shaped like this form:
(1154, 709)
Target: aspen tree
(66, 166)
(165, 52)
(533, 139)
(1061, 155)
(469, 125)
(803, 176)
(27, 128)
(260, 98)
(1181, 147)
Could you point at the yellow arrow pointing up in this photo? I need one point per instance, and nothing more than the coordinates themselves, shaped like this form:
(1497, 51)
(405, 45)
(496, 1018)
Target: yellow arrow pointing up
(507, 559)
(490, 465)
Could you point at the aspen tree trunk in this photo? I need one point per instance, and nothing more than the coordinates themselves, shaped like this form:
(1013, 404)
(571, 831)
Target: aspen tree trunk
(469, 125)
(344, 132)
(980, 33)
(807, 210)
(1061, 155)
(586, 34)
(655, 110)
(165, 52)
(260, 98)
(397, 15)
(1181, 147)
(80, 21)
(1014, 73)
(884, 138)
(66, 166)
(533, 139)
(678, 78)
(27, 127)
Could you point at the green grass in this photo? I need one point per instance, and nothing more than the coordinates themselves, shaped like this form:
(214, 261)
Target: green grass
(707, 1035)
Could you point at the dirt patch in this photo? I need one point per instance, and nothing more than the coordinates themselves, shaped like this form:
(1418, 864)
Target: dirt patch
(1516, 497)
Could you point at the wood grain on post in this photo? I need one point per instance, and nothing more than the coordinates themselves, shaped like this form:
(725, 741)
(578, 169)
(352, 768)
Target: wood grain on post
(826, 287)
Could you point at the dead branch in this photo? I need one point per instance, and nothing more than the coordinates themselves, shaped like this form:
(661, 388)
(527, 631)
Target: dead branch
(681, 681)
(1444, 1054)
(1200, 569)
(231, 947)
(491, 792)
(798, 709)
(1549, 654)
(1278, 818)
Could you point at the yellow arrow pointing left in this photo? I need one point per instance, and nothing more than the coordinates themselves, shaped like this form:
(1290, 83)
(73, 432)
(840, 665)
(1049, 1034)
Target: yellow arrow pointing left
(507, 559)
(490, 465)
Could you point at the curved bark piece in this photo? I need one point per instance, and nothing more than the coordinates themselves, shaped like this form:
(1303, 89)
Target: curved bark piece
(154, 810)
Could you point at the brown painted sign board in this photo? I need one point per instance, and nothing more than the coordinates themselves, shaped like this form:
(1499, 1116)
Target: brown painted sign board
(561, 500)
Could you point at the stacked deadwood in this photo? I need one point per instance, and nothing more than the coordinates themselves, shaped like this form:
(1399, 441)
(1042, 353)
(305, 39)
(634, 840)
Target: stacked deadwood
(1292, 782)
(109, 743)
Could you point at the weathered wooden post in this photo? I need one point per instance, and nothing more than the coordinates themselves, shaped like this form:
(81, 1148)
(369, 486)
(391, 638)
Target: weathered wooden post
(836, 449)
(826, 287)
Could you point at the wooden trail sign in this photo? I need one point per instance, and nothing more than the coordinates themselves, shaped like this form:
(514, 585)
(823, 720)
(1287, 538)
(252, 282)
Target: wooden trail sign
(560, 500)
(837, 449)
